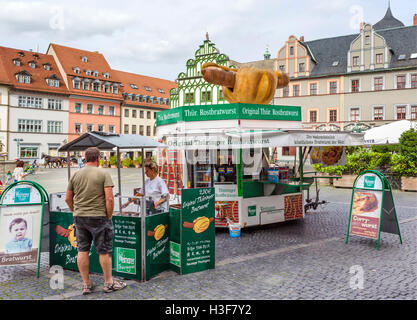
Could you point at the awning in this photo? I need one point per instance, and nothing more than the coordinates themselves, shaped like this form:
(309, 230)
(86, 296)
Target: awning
(389, 133)
(106, 141)
(237, 139)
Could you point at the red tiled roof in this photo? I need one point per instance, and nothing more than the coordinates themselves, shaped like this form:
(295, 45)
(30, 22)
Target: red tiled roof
(38, 75)
(71, 58)
(127, 79)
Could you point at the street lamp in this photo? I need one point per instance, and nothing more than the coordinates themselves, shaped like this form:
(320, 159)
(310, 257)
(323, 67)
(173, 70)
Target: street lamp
(18, 141)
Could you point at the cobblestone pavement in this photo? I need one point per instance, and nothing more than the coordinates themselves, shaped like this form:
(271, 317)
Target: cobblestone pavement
(303, 259)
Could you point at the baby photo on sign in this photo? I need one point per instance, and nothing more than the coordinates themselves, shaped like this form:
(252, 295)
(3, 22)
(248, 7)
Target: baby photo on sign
(328, 156)
(18, 235)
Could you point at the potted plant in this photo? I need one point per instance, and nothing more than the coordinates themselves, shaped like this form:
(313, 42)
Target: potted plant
(113, 161)
(138, 161)
(404, 164)
(101, 163)
(126, 162)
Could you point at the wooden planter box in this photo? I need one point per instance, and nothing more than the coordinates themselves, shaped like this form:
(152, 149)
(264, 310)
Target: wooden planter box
(408, 183)
(345, 182)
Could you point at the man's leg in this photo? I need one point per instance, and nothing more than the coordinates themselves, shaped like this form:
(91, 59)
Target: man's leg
(83, 262)
(106, 265)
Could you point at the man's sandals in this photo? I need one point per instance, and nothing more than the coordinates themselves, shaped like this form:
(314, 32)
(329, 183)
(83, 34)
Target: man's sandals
(115, 286)
(88, 288)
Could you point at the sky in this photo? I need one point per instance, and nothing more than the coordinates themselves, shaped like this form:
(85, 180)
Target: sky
(156, 37)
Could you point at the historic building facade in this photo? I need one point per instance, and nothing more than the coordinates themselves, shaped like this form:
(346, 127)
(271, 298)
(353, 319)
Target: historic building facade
(37, 104)
(353, 82)
(192, 88)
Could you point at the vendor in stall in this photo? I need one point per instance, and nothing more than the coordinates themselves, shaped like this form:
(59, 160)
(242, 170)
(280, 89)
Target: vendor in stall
(155, 188)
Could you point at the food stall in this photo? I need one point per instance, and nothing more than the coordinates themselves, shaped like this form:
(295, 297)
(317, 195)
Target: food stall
(228, 146)
(141, 246)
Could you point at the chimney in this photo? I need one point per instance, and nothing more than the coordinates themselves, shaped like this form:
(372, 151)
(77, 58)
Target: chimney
(415, 20)
(361, 26)
(302, 38)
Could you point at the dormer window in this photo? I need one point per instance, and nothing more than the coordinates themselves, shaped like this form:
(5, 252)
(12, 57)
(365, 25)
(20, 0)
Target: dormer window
(23, 77)
(53, 81)
(84, 59)
(35, 56)
(21, 54)
(115, 88)
(134, 86)
(106, 75)
(32, 64)
(96, 85)
(77, 70)
(96, 73)
(161, 90)
(47, 66)
(106, 87)
(17, 62)
(148, 88)
(86, 84)
(88, 72)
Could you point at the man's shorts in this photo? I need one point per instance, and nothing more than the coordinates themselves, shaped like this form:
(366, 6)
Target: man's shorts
(94, 229)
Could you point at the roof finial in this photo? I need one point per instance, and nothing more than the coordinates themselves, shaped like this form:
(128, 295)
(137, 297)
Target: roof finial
(389, 3)
(207, 36)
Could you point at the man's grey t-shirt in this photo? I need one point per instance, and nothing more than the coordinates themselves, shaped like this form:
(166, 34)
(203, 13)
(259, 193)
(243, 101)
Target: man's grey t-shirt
(88, 186)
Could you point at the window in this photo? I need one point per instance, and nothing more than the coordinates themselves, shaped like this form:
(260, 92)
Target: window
(78, 128)
(126, 129)
(96, 73)
(30, 102)
(133, 113)
(106, 75)
(401, 112)
(134, 86)
(379, 113)
(141, 130)
(354, 114)
(88, 72)
(55, 126)
(106, 88)
(96, 86)
(148, 88)
(47, 66)
(115, 89)
(141, 114)
(301, 67)
(76, 84)
(291, 51)
(333, 87)
(86, 85)
(161, 90)
(286, 91)
(77, 70)
(154, 115)
(84, 59)
(401, 82)
(127, 113)
(356, 61)
(378, 83)
(333, 115)
(17, 62)
(335, 63)
(148, 115)
(220, 96)
(29, 125)
(111, 111)
(22, 78)
(205, 96)
(133, 129)
(313, 116)
(189, 97)
(414, 81)
(296, 90)
(54, 104)
(101, 110)
(367, 40)
(313, 89)
(78, 107)
(379, 58)
(355, 85)
(414, 112)
(148, 130)
(111, 128)
(90, 108)
(29, 152)
(32, 65)
(90, 127)
(100, 127)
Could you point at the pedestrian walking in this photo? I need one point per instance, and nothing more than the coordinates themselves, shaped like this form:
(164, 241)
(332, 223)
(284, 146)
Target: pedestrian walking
(90, 198)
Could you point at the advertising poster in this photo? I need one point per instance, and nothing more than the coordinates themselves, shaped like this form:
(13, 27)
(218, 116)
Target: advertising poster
(197, 230)
(328, 156)
(366, 213)
(20, 234)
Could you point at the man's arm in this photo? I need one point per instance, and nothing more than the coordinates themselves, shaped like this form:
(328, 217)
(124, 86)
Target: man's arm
(108, 191)
(69, 199)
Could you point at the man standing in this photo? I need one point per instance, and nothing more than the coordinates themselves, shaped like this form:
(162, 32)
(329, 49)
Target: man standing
(90, 198)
